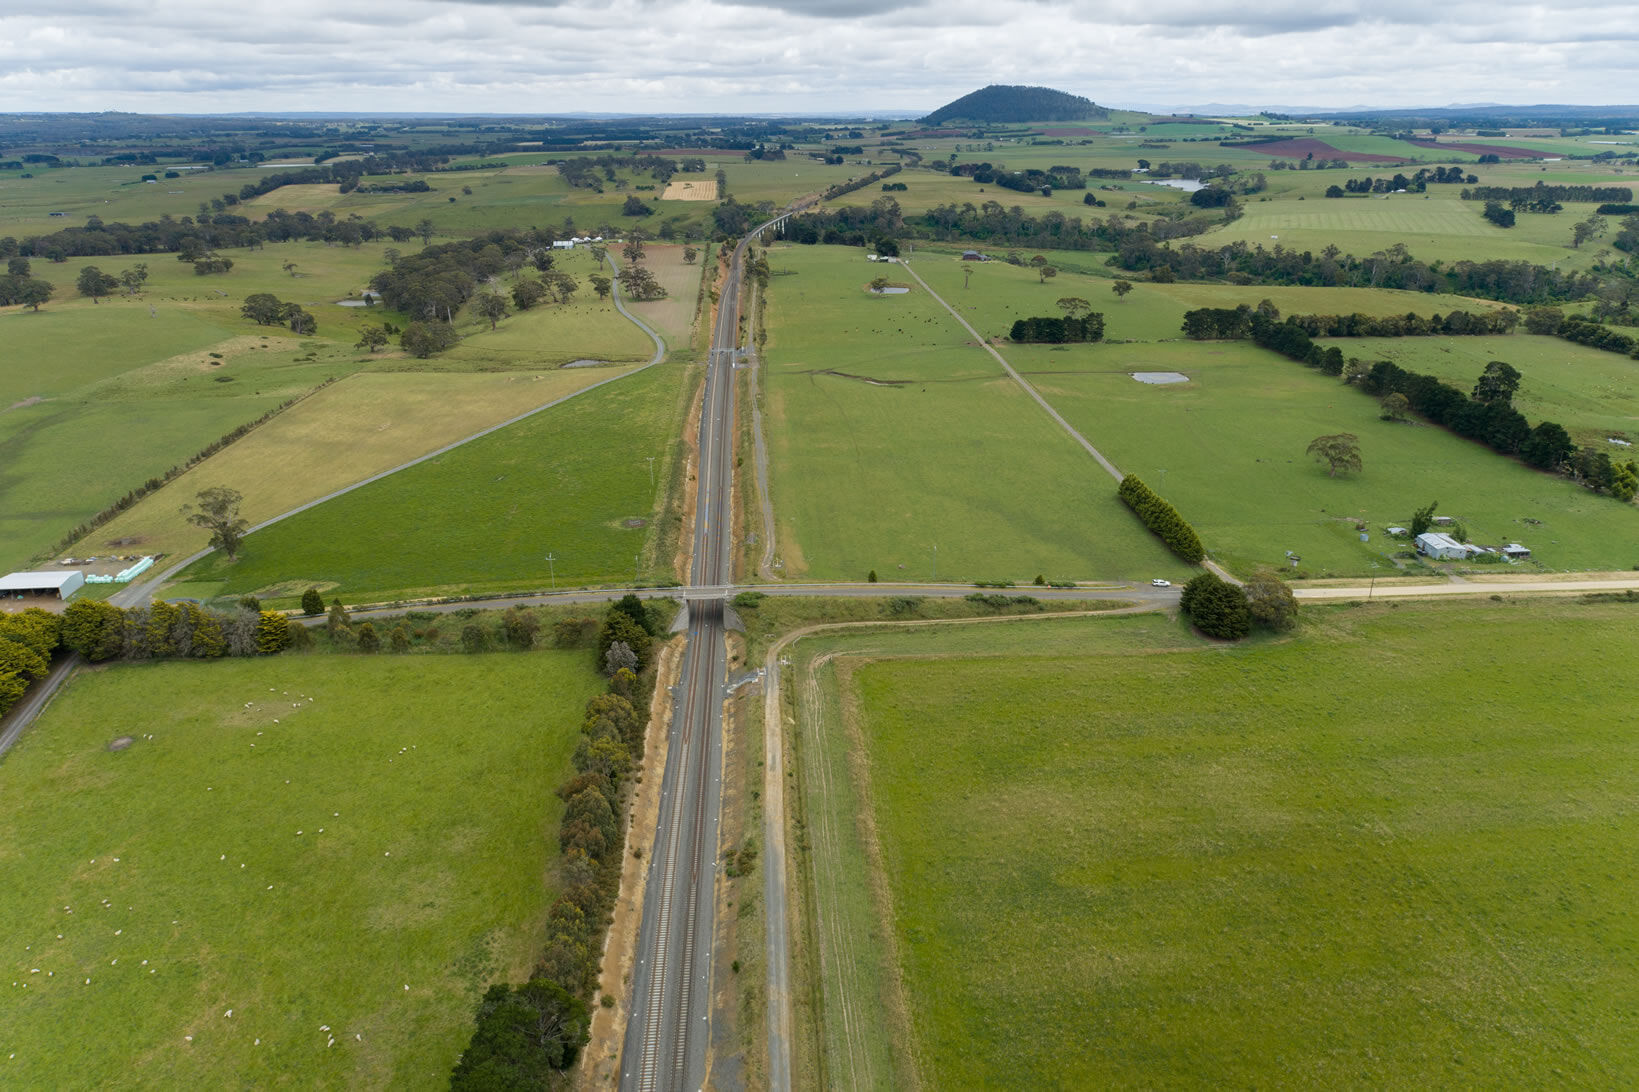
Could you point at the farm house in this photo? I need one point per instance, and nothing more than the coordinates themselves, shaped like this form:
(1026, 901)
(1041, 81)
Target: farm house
(41, 584)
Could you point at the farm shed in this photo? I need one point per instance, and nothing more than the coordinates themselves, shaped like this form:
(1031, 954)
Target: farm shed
(1440, 546)
(1514, 552)
(58, 585)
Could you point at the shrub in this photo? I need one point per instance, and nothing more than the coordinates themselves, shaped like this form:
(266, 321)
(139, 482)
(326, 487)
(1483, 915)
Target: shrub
(1217, 608)
(312, 603)
(367, 638)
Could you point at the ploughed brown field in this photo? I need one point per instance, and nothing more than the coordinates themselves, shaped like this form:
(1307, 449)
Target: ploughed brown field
(1481, 149)
(1301, 146)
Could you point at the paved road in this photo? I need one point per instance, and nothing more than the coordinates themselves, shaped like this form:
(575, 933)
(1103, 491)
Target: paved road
(670, 1021)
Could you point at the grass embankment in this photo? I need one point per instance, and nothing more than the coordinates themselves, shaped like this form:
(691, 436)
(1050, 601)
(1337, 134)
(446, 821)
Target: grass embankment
(1227, 447)
(1379, 853)
(295, 839)
(898, 446)
(484, 516)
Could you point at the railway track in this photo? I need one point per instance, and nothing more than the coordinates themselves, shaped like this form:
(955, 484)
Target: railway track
(669, 1028)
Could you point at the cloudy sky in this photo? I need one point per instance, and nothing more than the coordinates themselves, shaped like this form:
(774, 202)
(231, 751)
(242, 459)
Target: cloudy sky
(677, 56)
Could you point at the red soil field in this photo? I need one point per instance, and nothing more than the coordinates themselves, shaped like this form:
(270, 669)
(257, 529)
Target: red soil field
(1302, 146)
(1481, 149)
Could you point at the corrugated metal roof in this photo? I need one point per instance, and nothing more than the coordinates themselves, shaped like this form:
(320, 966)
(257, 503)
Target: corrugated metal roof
(34, 581)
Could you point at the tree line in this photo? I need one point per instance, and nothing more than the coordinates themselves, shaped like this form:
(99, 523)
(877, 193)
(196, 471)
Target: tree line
(525, 1036)
(99, 631)
(1057, 330)
(1543, 194)
(1161, 518)
(27, 641)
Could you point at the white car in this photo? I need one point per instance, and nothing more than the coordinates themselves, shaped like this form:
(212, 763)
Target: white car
(1158, 582)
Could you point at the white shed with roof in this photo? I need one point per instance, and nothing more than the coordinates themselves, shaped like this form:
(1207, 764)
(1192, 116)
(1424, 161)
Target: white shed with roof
(58, 584)
(1440, 546)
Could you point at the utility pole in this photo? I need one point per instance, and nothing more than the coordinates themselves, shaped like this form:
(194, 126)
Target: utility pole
(551, 559)
(651, 471)
(936, 562)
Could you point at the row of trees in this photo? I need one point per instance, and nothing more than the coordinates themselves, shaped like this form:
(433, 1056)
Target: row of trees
(1161, 518)
(99, 631)
(1459, 322)
(525, 1036)
(1542, 194)
(1053, 330)
(27, 641)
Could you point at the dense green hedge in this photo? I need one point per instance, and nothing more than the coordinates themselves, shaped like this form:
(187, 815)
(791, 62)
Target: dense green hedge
(1162, 518)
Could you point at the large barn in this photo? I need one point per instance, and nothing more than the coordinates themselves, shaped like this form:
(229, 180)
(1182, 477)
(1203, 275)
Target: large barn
(35, 585)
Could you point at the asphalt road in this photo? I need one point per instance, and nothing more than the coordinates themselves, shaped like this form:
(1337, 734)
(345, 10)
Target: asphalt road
(670, 1020)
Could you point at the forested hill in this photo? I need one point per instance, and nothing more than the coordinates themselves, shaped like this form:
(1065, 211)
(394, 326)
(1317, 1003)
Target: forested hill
(1005, 102)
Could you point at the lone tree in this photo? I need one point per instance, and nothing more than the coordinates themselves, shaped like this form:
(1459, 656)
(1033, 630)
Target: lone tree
(1270, 601)
(1497, 383)
(1395, 407)
(372, 337)
(1423, 519)
(634, 247)
(312, 603)
(878, 284)
(600, 285)
(490, 306)
(1046, 272)
(527, 293)
(1074, 307)
(1339, 452)
(1121, 288)
(1217, 608)
(94, 282)
(689, 255)
(218, 513)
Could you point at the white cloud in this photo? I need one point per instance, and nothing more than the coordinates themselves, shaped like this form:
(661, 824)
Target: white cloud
(681, 56)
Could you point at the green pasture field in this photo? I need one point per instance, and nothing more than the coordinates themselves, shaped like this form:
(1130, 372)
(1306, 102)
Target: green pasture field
(132, 387)
(1437, 225)
(1594, 394)
(1228, 447)
(998, 292)
(1255, 865)
(484, 516)
(897, 446)
(111, 193)
(343, 434)
(290, 845)
(1433, 225)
